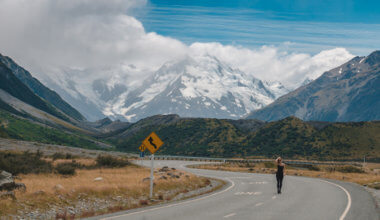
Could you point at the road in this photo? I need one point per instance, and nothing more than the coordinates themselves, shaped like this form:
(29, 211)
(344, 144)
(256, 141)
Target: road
(253, 196)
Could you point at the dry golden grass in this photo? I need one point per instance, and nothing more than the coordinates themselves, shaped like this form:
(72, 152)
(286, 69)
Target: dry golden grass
(42, 190)
(82, 161)
(367, 178)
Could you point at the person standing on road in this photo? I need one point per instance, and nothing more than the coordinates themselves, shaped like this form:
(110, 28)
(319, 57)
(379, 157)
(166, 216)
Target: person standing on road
(280, 173)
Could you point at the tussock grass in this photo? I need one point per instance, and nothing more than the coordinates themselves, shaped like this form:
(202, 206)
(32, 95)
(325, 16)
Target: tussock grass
(47, 190)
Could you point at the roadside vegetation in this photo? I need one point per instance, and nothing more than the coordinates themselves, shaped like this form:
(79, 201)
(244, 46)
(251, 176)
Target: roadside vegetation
(81, 187)
(367, 176)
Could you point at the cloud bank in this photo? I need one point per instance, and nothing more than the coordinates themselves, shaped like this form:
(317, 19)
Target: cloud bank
(45, 35)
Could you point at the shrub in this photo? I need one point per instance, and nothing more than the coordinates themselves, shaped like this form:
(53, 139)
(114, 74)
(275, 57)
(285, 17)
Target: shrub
(110, 161)
(313, 168)
(59, 155)
(24, 163)
(330, 169)
(268, 164)
(349, 169)
(66, 168)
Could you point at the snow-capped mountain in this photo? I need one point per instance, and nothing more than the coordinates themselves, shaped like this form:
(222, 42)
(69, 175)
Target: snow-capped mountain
(349, 92)
(199, 86)
(195, 87)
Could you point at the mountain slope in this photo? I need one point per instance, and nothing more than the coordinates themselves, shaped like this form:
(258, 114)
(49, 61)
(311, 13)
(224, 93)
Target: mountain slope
(290, 138)
(12, 85)
(196, 87)
(39, 89)
(349, 92)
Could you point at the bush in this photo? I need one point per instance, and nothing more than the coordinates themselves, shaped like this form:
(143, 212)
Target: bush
(24, 163)
(110, 161)
(66, 168)
(349, 169)
(268, 164)
(307, 166)
(59, 155)
(313, 168)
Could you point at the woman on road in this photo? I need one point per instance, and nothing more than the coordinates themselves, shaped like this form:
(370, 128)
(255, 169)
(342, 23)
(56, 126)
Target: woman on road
(280, 173)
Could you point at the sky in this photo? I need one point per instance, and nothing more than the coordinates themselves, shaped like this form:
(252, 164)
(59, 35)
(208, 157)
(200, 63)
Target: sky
(310, 26)
(281, 40)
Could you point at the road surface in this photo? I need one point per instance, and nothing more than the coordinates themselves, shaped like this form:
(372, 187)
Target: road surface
(253, 196)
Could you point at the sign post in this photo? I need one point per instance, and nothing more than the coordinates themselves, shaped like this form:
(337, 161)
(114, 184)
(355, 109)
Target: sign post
(152, 143)
(151, 176)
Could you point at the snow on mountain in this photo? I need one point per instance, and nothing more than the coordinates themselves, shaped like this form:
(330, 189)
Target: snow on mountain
(195, 87)
(277, 88)
(199, 86)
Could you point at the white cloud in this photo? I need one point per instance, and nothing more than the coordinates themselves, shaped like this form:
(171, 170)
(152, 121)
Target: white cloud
(45, 35)
(273, 64)
(81, 34)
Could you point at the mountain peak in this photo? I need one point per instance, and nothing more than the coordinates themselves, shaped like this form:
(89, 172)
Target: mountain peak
(197, 86)
(373, 58)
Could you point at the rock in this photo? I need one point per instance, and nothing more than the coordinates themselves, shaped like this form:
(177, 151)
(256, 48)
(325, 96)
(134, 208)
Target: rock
(164, 169)
(98, 179)
(6, 181)
(20, 186)
(169, 174)
(58, 187)
(173, 168)
(5, 195)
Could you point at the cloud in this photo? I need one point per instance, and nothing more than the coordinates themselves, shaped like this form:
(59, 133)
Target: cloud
(48, 36)
(81, 34)
(274, 64)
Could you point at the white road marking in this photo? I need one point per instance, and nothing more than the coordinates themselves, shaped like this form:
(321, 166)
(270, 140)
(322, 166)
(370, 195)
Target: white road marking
(229, 215)
(241, 177)
(273, 197)
(348, 199)
(175, 204)
(248, 193)
(259, 204)
(259, 183)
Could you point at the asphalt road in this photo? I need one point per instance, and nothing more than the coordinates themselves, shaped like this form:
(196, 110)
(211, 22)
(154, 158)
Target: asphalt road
(253, 196)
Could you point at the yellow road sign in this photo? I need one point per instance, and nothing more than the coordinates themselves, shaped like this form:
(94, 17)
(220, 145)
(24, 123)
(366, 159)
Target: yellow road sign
(142, 148)
(152, 142)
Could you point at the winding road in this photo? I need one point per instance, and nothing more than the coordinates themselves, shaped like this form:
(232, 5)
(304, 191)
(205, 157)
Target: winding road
(253, 196)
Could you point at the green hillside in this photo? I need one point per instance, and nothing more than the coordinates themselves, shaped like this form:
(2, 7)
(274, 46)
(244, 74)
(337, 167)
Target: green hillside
(14, 127)
(290, 137)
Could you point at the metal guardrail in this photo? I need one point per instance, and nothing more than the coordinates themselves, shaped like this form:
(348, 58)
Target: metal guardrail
(230, 160)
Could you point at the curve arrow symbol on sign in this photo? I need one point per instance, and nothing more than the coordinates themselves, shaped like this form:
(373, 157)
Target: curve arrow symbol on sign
(151, 142)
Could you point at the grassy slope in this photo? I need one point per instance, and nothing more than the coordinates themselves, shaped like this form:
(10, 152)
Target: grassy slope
(14, 127)
(290, 137)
